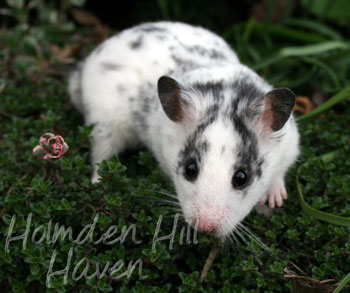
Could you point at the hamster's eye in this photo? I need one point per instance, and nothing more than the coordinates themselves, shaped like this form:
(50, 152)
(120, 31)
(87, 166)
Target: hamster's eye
(191, 170)
(239, 179)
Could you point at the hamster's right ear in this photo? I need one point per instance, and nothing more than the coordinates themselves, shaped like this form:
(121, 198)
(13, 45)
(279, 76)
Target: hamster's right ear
(279, 105)
(169, 92)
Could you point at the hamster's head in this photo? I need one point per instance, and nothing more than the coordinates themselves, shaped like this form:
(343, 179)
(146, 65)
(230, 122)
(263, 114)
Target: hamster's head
(223, 168)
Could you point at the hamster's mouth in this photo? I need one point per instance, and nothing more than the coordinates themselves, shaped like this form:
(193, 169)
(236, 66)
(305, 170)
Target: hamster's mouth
(216, 232)
(212, 229)
(213, 221)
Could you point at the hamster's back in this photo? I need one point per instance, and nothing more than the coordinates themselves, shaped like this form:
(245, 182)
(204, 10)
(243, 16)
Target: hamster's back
(128, 65)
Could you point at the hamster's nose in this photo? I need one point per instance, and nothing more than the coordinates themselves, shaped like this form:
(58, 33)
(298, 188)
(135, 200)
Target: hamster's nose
(206, 225)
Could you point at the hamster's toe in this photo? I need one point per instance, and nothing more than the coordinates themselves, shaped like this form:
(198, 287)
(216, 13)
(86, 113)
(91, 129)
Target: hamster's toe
(276, 194)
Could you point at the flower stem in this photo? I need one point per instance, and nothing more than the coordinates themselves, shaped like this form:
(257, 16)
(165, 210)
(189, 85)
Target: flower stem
(213, 253)
(51, 170)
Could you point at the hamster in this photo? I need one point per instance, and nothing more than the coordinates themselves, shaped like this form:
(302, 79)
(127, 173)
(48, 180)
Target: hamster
(222, 134)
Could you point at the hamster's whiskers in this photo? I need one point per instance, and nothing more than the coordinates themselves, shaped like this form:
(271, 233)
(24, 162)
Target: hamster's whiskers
(172, 195)
(243, 229)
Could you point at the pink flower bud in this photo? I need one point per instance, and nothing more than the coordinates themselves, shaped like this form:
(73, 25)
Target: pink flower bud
(50, 147)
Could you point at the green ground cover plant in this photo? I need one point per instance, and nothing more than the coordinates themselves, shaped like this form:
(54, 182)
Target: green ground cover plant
(306, 49)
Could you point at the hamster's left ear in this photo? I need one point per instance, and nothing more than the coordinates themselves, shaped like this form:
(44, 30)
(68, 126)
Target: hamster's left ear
(279, 104)
(169, 92)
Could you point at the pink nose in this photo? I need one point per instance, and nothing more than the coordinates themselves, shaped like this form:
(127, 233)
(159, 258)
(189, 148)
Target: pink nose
(206, 225)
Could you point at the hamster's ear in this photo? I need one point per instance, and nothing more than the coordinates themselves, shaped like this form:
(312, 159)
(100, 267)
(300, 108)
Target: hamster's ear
(279, 105)
(169, 92)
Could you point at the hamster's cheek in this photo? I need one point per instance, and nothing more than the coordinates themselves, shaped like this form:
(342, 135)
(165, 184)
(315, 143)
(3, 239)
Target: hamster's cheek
(185, 193)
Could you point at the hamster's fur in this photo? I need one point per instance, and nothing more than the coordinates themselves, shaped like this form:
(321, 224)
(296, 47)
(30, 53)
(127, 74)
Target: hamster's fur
(180, 91)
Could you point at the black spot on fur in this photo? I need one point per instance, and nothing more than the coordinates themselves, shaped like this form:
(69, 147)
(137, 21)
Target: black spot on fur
(278, 137)
(184, 65)
(161, 37)
(215, 54)
(246, 105)
(140, 120)
(110, 66)
(143, 105)
(241, 128)
(197, 49)
(249, 161)
(203, 147)
(259, 166)
(195, 147)
(223, 149)
(150, 28)
(248, 156)
(121, 89)
(148, 103)
(249, 99)
(136, 44)
(215, 88)
(246, 92)
(210, 53)
(212, 113)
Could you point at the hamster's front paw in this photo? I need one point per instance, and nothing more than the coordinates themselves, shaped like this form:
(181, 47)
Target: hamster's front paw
(276, 194)
(95, 177)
